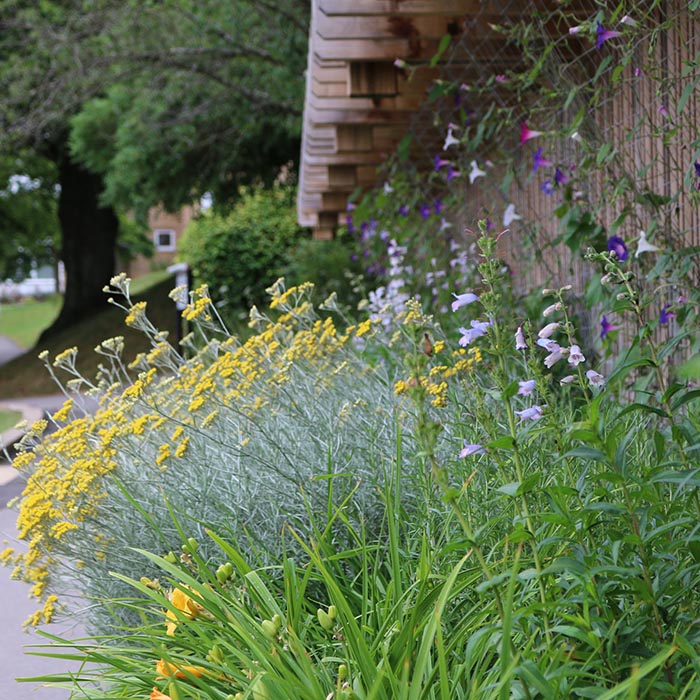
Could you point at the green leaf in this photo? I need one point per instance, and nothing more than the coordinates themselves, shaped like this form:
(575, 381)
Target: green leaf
(442, 47)
(510, 489)
(587, 453)
(688, 90)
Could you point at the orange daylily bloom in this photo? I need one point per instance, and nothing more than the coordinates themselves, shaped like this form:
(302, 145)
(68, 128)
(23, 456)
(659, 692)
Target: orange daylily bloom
(182, 602)
(157, 695)
(168, 670)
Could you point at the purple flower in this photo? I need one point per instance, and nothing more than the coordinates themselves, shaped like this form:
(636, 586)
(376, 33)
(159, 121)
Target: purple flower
(532, 413)
(567, 380)
(527, 387)
(439, 163)
(560, 177)
(439, 207)
(526, 133)
(603, 34)
(478, 328)
(606, 327)
(404, 210)
(539, 161)
(696, 165)
(520, 342)
(452, 173)
(470, 449)
(547, 187)
(348, 221)
(425, 211)
(463, 300)
(617, 245)
(665, 316)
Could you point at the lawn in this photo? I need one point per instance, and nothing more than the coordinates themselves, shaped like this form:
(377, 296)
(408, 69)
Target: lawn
(24, 321)
(25, 376)
(9, 419)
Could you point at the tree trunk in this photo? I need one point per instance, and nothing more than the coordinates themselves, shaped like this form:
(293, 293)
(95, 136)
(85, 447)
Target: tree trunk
(89, 235)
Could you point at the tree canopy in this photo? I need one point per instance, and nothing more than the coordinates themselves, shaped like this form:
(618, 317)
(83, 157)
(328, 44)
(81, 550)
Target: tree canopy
(146, 102)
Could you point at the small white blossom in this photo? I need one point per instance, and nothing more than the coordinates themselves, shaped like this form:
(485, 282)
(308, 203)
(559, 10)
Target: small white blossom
(594, 378)
(552, 308)
(576, 357)
(548, 330)
(526, 387)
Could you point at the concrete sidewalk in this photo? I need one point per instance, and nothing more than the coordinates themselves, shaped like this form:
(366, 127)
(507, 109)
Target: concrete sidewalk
(9, 349)
(15, 662)
(15, 658)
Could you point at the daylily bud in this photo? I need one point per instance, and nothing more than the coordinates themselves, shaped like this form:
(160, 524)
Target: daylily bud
(325, 620)
(269, 629)
(170, 558)
(342, 672)
(191, 546)
(332, 612)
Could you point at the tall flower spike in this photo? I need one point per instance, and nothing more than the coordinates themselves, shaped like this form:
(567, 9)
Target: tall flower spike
(603, 34)
(643, 245)
(475, 172)
(509, 215)
(526, 133)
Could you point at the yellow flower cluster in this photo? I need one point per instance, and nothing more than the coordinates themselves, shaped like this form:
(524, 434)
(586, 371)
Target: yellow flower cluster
(155, 420)
(435, 383)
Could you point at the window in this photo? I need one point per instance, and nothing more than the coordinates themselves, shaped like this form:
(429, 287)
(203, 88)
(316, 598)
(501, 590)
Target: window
(164, 239)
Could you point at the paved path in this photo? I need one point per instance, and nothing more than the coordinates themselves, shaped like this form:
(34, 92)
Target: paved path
(9, 349)
(15, 609)
(16, 605)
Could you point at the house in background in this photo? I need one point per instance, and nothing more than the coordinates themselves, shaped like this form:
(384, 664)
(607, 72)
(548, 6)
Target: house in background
(165, 230)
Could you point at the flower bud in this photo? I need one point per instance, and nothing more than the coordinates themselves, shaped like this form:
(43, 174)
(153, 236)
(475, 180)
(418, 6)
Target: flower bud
(269, 629)
(325, 620)
(191, 546)
(332, 612)
(342, 672)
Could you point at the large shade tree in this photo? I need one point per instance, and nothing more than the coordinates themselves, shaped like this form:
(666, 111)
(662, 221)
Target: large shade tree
(140, 102)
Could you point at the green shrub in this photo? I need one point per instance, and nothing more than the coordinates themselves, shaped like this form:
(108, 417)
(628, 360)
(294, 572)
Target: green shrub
(241, 253)
(329, 265)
